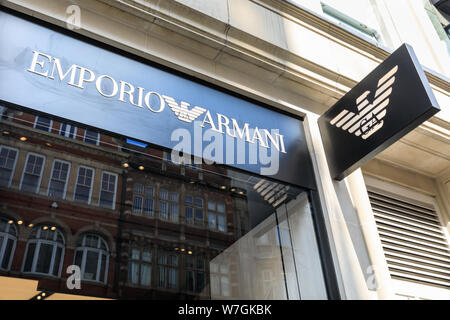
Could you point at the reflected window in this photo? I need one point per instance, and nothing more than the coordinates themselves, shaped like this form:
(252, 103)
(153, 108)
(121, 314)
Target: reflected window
(58, 180)
(43, 123)
(216, 216)
(193, 210)
(8, 157)
(108, 190)
(45, 251)
(8, 239)
(220, 279)
(85, 180)
(140, 267)
(168, 205)
(92, 137)
(92, 256)
(68, 130)
(32, 173)
(167, 270)
(194, 273)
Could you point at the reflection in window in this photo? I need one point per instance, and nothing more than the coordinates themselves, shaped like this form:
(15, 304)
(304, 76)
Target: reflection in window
(84, 184)
(92, 257)
(8, 158)
(8, 238)
(108, 190)
(193, 210)
(43, 123)
(45, 251)
(216, 216)
(168, 205)
(143, 201)
(220, 279)
(194, 273)
(92, 137)
(58, 180)
(68, 130)
(32, 173)
(167, 270)
(140, 267)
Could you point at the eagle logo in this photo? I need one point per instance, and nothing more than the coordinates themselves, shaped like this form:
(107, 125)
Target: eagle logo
(182, 111)
(369, 118)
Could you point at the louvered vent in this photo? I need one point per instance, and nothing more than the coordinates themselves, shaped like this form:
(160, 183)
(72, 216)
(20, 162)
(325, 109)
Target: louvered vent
(415, 245)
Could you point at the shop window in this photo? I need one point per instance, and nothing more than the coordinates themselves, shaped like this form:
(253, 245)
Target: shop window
(43, 123)
(92, 137)
(8, 157)
(8, 240)
(194, 273)
(167, 270)
(216, 216)
(83, 188)
(92, 256)
(168, 205)
(68, 130)
(140, 267)
(193, 210)
(108, 190)
(32, 173)
(58, 180)
(45, 251)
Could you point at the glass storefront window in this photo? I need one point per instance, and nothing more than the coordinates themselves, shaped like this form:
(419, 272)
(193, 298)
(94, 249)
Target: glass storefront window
(210, 233)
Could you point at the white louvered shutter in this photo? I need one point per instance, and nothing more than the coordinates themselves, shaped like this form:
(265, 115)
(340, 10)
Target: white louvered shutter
(414, 241)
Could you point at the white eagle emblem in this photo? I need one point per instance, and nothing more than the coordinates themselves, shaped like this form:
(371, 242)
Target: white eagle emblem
(369, 119)
(182, 111)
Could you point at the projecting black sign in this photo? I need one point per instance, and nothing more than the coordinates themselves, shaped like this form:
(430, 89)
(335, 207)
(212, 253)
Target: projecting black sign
(387, 104)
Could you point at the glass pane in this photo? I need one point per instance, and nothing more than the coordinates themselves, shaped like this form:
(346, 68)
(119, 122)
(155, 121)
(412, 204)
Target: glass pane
(5, 177)
(91, 137)
(135, 254)
(29, 258)
(44, 258)
(56, 189)
(78, 258)
(30, 183)
(146, 274)
(102, 269)
(211, 220)
(133, 272)
(190, 281)
(82, 193)
(90, 269)
(57, 261)
(147, 255)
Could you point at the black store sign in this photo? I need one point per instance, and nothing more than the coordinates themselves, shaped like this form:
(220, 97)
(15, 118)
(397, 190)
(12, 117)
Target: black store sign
(391, 101)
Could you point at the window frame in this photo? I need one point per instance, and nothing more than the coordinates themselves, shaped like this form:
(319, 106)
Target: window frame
(216, 213)
(97, 141)
(41, 173)
(167, 266)
(143, 197)
(13, 170)
(90, 188)
(168, 201)
(67, 178)
(38, 243)
(116, 176)
(140, 262)
(194, 207)
(6, 236)
(50, 126)
(65, 133)
(85, 249)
